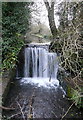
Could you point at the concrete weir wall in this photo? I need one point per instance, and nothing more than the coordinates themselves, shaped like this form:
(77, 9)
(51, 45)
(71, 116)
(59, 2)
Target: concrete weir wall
(8, 76)
(6, 81)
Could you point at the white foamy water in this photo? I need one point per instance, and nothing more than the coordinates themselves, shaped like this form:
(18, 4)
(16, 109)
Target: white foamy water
(40, 67)
(39, 62)
(41, 82)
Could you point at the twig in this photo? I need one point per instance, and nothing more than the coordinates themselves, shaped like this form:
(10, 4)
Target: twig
(30, 115)
(21, 110)
(6, 108)
(68, 110)
(14, 115)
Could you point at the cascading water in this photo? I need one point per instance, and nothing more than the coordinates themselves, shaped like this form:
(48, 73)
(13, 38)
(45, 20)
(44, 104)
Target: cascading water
(38, 92)
(40, 66)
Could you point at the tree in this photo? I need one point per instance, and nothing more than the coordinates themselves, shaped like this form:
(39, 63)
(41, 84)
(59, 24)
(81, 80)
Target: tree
(50, 9)
(70, 47)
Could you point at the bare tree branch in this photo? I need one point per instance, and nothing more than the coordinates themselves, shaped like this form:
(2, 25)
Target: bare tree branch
(67, 110)
(21, 110)
(6, 108)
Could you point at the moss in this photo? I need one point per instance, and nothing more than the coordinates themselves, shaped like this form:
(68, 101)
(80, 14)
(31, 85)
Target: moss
(69, 92)
(75, 95)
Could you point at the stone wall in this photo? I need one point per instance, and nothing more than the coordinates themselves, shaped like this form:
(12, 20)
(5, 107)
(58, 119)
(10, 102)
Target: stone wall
(6, 81)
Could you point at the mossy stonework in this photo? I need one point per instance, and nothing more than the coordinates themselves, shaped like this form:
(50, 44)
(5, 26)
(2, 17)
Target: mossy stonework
(7, 78)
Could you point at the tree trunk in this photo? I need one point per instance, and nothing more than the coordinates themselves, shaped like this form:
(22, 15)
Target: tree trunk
(52, 25)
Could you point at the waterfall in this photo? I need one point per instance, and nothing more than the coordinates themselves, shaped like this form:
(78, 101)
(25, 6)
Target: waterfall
(40, 65)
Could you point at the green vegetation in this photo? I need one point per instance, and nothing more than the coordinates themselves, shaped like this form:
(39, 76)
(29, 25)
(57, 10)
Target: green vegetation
(68, 43)
(15, 23)
(75, 95)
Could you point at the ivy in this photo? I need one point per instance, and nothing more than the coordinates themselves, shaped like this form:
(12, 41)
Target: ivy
(15, 23)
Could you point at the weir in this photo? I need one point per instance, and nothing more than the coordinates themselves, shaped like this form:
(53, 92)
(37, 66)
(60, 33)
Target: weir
(37, 89)
(40, 65)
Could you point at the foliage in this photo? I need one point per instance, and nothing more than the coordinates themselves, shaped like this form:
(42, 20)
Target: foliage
(70, 38)
(15, 22)
(76, 96)
(72, 49)
(69, 44)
